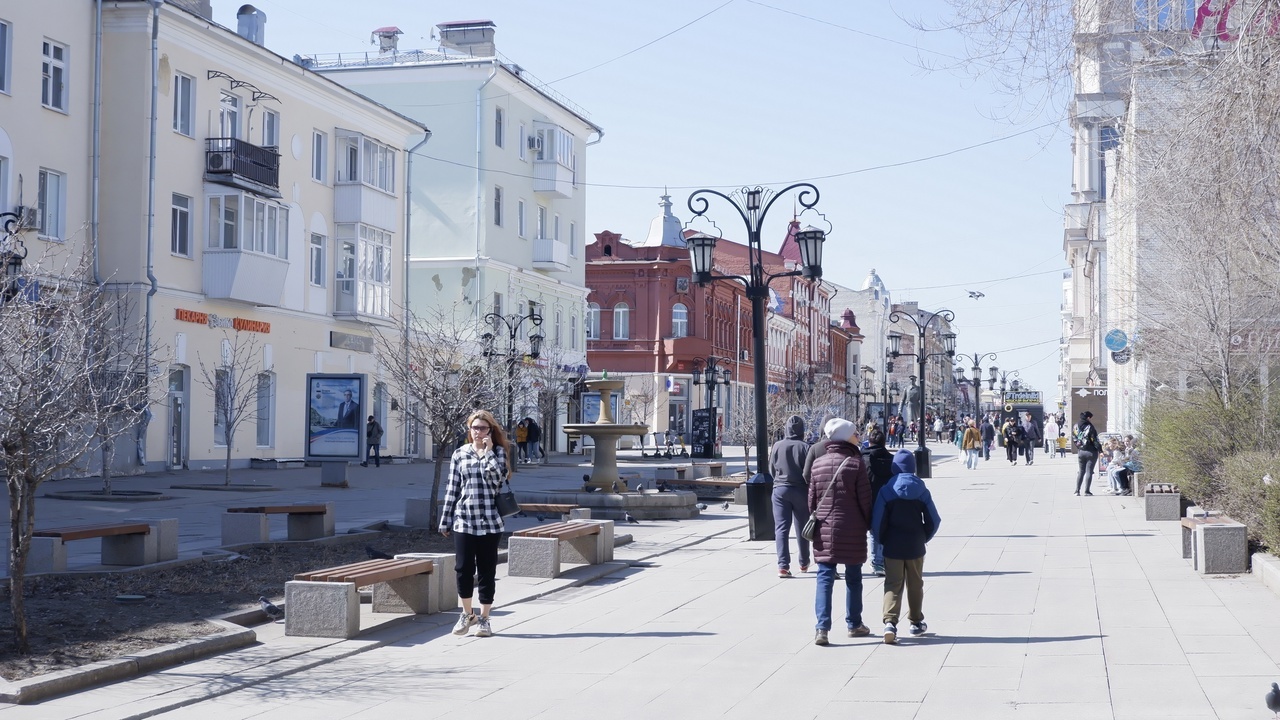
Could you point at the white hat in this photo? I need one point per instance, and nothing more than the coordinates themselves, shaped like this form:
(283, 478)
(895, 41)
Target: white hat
(839, 430)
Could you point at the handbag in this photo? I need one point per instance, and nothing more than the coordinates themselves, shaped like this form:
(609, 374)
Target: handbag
(506, 499)
(810, 528)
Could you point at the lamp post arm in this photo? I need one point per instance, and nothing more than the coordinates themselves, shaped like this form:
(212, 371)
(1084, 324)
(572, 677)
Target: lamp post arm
(704, 205)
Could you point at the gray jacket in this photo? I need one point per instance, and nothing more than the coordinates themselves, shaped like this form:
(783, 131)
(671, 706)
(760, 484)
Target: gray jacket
(786, 457)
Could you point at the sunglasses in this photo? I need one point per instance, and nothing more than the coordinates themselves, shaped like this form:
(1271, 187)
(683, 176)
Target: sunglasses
(480, 428)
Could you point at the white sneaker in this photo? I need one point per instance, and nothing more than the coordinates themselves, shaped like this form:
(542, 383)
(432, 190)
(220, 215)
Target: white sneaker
(483, 629)
(465, 621)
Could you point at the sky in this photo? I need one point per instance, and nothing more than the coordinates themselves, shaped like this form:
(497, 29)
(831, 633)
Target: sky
(921, 173)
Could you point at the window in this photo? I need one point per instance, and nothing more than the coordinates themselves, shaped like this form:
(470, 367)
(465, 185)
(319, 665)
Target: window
(319, 156)
(265, 398)
(347, 270)
(524, 141)
(222, 390)
(497, 206)
(364, 270)
(367, 161)
(50, 199)
(317, 259)
(246, 222)
(497, 126)
(621, 322)
(53, 76)
(228, 116)
(592, 325)
(4, 182)
(6, 35)
(542, 222)
(573, 239)
(184, 104)
(555, 227)
(555, 330)
(522, 225)
(573, 332)
(679, 320)
(497, 309)
(180, 226)
(270, 128)
(1108, 139)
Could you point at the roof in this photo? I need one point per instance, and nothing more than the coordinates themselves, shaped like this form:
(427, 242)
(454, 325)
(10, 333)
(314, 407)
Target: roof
(665, 230)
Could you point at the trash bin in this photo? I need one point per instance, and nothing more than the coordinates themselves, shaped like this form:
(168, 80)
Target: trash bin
(760, 507)
(923, 467)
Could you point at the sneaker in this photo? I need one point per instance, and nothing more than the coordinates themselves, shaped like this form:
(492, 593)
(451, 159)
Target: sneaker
(483, 629)
(465, 621)
(820, 637)
(804, 568)
(877, 570)
(364, 464)
(860, 631)
(919, 628)
(784, 573)
(890, 634)
(1086, 492)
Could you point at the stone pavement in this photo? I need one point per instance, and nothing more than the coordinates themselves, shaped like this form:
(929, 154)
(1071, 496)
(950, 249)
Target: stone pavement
(1040, 605)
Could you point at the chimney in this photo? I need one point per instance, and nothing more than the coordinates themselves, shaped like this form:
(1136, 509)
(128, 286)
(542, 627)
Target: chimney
(388, 39)
(251, 24)
(471, 37)
(203, 8)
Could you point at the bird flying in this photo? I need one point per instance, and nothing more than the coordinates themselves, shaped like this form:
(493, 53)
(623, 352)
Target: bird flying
(975, 294)
(273, 611)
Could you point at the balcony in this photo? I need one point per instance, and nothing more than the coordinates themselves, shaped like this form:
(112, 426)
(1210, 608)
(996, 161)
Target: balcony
(552, 178)
(245, 276)
(550, 255)
(234, 162)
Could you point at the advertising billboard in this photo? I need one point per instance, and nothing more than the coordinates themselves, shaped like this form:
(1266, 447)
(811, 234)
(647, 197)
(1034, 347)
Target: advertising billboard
(335, 416)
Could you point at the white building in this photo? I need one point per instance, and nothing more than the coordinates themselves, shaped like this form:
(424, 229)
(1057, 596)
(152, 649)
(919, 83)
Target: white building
(278, 201)
(872, 306)
(499, 200)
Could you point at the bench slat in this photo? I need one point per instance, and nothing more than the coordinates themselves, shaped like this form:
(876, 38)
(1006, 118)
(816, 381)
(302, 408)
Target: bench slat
(547, 507)
(561, 530)
(369, 572)
(82, 532)
(280, 509)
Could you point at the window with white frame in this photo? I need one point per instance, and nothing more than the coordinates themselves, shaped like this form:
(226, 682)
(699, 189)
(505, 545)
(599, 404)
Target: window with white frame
(240, 221)
(184, 104)
(51, 204)
(53, 75)
(367, 161)
(542, 222)
(497, 205)
(6, 41)
(573, 239)
(270, 128)
(555, 227)
(317, 269)
(555, 330)
(592, 324)
(679, 320)
(228, 115)
(265, 398)
(522, 223)
(573, 332)
(524, 142)
(180, 226)
(367, 262)
(346, 276)
(621, 322)
(319, 156)
(498, 118)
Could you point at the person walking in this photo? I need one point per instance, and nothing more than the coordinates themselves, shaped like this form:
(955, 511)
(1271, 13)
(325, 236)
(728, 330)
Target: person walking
(879, 470)
(905, 520)
(1050, 435)
(840, 497)
(816, 450)
(1085, 437)
(535, 441)
(937, 429)
(1031, 437)
(988, 432)
(477, 471)
(372, 442)
(971, 443)
(790, 494)
(1009, 433)
(522, 441)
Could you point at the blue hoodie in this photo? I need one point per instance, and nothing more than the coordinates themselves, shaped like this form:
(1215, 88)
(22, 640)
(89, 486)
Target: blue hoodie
(904, 517)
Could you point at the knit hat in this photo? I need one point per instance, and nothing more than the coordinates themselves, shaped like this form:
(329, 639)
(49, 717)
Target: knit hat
(839, 430)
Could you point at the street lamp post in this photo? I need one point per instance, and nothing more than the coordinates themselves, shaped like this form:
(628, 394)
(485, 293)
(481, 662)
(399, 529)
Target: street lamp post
(976, 361)
(709, 373)
(752, 205)
(923, 467)
(513, 323)
(12, 253)
(1008, 381)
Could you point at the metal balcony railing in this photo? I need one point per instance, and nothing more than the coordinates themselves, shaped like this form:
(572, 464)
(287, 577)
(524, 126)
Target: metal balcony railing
(235, 157)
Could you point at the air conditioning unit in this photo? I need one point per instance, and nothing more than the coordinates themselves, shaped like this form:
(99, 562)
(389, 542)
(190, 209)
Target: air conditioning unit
(535, 143)
(217, 161)
(27, 217)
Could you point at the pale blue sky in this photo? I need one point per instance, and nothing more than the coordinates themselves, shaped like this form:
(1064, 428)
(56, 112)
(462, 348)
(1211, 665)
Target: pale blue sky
(709, 93)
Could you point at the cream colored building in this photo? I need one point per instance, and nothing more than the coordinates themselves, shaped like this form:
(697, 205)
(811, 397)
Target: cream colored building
(275, 201)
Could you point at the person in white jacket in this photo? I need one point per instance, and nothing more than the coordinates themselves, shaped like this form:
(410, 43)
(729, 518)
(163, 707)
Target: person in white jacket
(1050, 435)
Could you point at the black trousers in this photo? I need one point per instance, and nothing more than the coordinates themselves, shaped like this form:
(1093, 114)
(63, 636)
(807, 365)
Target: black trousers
(1087, 460)
(476, 554)
(1011, 451)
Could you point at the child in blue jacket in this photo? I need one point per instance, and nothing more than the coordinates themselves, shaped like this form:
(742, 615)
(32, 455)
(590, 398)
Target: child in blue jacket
(904, 519)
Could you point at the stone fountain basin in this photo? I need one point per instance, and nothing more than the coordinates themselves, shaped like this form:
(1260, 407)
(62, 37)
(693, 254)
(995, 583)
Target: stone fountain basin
(649, 505)
(605, 429)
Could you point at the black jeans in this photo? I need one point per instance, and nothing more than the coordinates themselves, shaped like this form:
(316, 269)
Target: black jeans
(1087, 459)
(474, 553)
(1011, 451)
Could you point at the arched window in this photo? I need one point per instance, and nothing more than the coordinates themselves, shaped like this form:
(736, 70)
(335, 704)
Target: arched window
(592, 324)
(573, 332)
(621, 322)
(679, 320)
(556, 330)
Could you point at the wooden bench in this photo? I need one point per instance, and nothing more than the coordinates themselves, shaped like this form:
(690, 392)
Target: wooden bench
(1162, 501)
(566, 511)
(539, 551)
(1216, 544)
(122, 544)
(326, 603)
(245, 525)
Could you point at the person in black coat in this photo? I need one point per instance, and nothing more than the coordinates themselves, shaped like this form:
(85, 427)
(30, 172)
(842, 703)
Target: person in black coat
(880, 469)
(1085, 437)
(1032, 437)
(988, 437)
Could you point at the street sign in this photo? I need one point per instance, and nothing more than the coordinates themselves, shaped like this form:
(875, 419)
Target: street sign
(1121, 357)
(1116, 340)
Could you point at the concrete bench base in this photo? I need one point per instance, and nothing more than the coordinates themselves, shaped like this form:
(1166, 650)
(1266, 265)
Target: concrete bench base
(670, 472)
(542, 557)
(1163, 506)
(49, 554)
(245, 528)
(332, 609)
(165, 532)
(1220, 548)
(434, 592)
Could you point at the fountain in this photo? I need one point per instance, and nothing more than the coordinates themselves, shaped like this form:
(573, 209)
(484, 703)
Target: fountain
(604, 432)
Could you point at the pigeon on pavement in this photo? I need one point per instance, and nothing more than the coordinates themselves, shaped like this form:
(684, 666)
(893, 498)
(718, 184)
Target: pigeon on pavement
(1273, 699)
(273, 611)
(627, 516)
(701, 506)
(725, 506)
(375, 554)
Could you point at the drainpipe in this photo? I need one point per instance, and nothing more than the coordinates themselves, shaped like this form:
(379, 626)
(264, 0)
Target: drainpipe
(480, 185)
(151, 168)
(408, 229)
(96, 139)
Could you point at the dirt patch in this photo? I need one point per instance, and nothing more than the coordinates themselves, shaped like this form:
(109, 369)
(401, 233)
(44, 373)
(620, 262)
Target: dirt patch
(75, 620)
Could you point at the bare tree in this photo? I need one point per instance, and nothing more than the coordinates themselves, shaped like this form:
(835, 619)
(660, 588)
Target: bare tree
(433, 360)
(741, 429)
(553, 377)
(73, 374)
(236, 382)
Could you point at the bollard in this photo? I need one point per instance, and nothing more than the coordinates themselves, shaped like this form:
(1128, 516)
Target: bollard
(760, 507)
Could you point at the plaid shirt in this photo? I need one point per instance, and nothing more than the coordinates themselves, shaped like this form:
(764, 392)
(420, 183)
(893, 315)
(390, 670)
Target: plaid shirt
(471, 497)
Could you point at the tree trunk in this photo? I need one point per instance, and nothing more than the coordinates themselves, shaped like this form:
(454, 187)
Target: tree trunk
(21, 518)
(106, 461)
(226, 471)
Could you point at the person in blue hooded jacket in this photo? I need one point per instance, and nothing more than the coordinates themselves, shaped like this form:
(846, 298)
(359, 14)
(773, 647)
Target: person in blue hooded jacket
(904, 519)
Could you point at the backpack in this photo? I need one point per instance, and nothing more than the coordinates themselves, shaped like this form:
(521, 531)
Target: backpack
(1082, 441)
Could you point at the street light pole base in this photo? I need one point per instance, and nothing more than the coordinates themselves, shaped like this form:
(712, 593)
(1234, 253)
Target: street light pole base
(923, 467)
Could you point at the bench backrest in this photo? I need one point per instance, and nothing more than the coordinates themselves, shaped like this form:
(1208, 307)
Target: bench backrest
(281, 509)
(369, 572)
(82, 532)
(561, 530)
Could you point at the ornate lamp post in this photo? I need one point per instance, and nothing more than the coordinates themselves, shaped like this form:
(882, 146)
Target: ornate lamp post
(976, 361)
(1008, 381)
(512, 323)
(12, 253)
(709, 372)
(752, 205)
(923, 467)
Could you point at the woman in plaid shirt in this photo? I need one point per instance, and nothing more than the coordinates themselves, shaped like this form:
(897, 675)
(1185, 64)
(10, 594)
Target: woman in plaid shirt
(476, 472)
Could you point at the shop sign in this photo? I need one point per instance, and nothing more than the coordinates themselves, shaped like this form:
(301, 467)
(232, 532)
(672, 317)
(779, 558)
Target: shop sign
(217, 321)
(347, 341)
